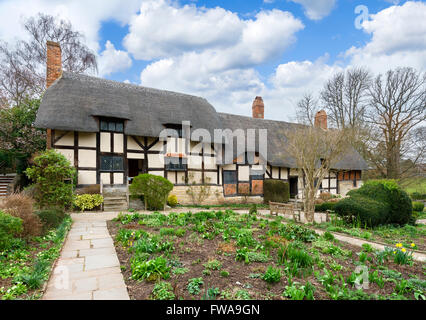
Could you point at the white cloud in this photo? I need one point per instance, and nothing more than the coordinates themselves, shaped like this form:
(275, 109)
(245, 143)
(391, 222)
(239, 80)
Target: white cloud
(112, 60)
(316, 9)
(398, 39)
(163, 29)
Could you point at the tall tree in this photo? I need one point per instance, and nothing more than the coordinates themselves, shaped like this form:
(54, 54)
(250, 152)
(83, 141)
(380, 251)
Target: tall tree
(345, 98)
(306, 108)
(397, 107)
(22, 68)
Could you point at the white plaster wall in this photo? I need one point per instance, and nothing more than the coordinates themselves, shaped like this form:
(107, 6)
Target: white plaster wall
(105, 178)
(86, 177)
(118, 178)
(284, 173)
(67, 140)
(87, 158)
(135, 155)
(87, 139)
(195, 162)
(275, 172)
(105, 142)
(212, 176)
(132, 145)
(118, 142)
(69, 154)
(155, 161)
(157, 173)
(243, 173)
(209, 163)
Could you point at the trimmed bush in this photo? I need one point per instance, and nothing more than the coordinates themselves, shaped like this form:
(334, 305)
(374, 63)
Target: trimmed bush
(276, 191)
(10, 227)
(418, 206)
(377, 202)
(21, 206)
(172, 201)
(88, 201)
(51, 218)
(52, 174)
(323, 207)
(366, 210)
(154, 189)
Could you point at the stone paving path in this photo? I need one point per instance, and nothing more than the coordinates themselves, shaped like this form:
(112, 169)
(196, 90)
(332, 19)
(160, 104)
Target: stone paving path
(88, 268)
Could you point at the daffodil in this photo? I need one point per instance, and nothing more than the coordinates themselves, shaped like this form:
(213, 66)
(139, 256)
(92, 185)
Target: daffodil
(399, 245)
(413, 245)
(394, 252)
(403, 250)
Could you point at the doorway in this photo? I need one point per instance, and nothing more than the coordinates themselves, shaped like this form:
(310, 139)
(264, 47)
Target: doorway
(134, 167)
(293, 187)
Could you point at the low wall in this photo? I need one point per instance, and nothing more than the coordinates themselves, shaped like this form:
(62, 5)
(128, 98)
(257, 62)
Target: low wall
(215, 196)
(346, 186)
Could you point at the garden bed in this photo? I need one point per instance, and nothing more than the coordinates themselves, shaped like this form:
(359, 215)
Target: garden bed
(25, 268)
(200, 252)
(387, 235)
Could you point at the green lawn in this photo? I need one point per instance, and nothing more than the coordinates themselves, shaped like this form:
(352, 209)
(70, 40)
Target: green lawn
(415, 185)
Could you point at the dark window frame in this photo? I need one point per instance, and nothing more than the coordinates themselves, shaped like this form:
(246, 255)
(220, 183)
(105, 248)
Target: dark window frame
(114, 160)
(109, 123)
(225, 179)
(173, 166)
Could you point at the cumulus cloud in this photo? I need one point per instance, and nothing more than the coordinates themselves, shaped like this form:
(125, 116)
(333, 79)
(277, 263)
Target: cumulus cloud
(112, 60)
(164, 29)
(397, 39)
(316, 9)
(85, 16)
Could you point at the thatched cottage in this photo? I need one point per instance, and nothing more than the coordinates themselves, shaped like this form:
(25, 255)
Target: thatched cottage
(111, 132)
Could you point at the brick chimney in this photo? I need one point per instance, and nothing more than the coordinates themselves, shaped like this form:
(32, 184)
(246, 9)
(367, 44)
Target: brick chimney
(321, 120)
(258, 108)
(53, 72)
(54, 62)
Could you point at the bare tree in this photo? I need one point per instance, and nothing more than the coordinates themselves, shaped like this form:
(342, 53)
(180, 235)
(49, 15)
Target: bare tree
(345, 98)
(22, 69)
(306, 109)
(397, 107)
(315, 152)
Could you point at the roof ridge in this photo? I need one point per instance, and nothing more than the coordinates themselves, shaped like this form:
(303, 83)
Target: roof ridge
(256, 119)
(85, 77)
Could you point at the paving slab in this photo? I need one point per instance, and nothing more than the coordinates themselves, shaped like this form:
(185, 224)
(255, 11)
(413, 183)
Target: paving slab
(88, 267)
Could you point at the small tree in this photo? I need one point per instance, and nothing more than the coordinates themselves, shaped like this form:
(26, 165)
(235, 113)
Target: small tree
(155, 190)
(52, 175)
(315, 151)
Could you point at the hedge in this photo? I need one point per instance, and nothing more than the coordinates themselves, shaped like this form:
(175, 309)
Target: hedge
(276, 191)
(155, 190)
(377, 202)
(418, 196)
(323, 207)
(418, 206)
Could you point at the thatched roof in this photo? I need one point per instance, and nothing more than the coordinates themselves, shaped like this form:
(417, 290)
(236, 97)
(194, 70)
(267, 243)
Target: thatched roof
(276, 147)
(73, 101)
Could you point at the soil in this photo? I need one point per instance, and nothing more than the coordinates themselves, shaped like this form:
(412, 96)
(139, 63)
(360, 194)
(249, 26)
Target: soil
(193, 254)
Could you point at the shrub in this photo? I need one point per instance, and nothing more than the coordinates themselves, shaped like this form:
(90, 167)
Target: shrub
(272, 275)
(21, 206)
(172, 201)
(154, 189)
(377, 202)
(88, 201)
(51, 218)
(293, 231)
(10, 227)
(276, 191)
(52, 174)
(323, 207)
(418, 196)
(418, 206)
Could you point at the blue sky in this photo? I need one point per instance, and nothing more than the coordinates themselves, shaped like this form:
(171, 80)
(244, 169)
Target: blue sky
(231, 51)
